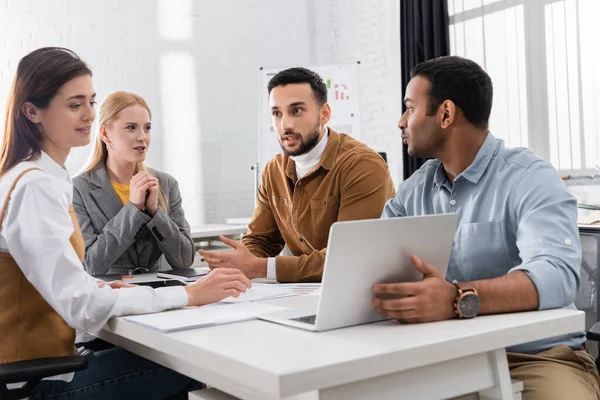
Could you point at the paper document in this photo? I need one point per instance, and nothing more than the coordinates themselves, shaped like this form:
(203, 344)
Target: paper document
(316, 292)
(311, 289)
(198, 317)
(261, 291)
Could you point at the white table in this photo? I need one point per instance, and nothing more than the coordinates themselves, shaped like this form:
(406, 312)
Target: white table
(208, 232)
(212, 231)
(202, 235)
(239, 221)
(259, 360)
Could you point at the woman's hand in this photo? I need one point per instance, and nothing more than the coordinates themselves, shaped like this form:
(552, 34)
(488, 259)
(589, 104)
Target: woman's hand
(139, 187)
(152, 200)
(216, 286)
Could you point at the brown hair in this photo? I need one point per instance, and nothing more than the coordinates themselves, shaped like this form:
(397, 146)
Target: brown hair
(110, 108)
(40, 75)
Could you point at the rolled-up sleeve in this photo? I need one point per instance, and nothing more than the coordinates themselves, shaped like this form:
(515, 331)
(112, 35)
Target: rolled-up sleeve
(547, 235)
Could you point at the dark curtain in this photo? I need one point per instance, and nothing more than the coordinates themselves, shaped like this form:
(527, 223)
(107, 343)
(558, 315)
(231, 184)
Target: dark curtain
(424, 35)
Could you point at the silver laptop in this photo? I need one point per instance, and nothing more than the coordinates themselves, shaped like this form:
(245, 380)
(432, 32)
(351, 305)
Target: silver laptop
(362, 253)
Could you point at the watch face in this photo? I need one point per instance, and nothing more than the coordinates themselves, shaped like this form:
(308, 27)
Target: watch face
(469, 305)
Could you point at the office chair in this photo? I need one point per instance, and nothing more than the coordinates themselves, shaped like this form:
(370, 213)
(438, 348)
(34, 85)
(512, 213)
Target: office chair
(32, 371)
(587, 298)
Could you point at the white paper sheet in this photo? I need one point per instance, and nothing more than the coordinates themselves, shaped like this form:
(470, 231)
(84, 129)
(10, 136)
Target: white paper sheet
(301, 289)
(198, 317)
(261, 291)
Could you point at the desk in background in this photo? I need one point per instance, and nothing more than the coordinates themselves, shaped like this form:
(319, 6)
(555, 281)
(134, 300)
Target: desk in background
(208, 232)
(258, 360)
(207, 237)
(239, 221)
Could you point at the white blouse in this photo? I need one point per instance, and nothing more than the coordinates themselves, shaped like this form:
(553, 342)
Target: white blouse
(36, 231)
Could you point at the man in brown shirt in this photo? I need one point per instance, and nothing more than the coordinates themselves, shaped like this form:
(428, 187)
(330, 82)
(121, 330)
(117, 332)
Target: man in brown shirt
(321, 177)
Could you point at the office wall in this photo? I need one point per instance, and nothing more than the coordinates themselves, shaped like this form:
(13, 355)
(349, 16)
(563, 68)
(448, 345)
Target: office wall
(196, 62)
(216, 117)
(346, 31)
(111, 36)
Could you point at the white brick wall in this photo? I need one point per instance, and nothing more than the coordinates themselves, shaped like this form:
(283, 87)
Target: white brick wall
(346, 31)
(231, 41)
(206, 114)
(111, 36)
(196, 62)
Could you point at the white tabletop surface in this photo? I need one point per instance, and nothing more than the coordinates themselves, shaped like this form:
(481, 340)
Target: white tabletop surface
(214, 230)
(264, 360)
(239, 221)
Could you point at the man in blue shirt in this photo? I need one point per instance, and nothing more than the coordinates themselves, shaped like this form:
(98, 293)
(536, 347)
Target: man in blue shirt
(517, 245)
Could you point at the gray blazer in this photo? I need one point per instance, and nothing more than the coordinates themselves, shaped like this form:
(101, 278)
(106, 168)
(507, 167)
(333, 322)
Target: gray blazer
(121, 238)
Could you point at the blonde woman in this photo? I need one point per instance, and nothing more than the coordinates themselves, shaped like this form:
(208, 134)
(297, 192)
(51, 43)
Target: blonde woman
(129, 215)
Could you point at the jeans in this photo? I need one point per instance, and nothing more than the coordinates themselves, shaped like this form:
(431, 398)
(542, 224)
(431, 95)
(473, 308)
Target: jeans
(118, 374)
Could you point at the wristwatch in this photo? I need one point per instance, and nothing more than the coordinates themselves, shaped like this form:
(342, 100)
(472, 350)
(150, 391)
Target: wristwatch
(466, 304)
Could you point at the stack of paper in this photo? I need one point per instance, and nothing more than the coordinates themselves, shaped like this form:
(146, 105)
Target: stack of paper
(310, 289)
(261, 291)
(198, 317)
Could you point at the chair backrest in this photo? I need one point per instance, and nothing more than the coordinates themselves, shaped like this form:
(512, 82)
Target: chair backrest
(32, 371)
(587, 296)
(587, 299)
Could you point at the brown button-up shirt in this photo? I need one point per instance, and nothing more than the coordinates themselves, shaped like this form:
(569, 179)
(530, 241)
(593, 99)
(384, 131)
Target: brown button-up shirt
(350, 182)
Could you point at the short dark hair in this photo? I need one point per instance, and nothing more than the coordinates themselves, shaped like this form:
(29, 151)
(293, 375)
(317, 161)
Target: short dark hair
(463, 82)
(301, 75)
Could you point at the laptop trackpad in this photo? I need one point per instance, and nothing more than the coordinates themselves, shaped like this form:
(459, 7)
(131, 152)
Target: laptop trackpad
(308, 319)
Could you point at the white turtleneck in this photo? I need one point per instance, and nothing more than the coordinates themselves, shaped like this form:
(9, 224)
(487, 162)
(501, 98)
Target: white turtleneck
(304, 163)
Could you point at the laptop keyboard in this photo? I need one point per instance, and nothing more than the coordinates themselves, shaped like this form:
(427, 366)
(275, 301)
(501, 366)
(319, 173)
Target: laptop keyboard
(309, 319)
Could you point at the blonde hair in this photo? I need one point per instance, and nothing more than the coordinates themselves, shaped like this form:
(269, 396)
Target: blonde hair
(110, 108)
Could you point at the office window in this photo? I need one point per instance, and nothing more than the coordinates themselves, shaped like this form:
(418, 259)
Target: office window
(543, 60)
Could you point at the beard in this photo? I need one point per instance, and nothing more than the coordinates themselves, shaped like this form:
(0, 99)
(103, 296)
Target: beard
(307, 144)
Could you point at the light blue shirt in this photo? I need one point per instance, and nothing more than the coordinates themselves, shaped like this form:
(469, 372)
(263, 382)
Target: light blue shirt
(514, 214)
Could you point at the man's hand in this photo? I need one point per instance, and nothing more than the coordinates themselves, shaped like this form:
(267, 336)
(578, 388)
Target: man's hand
(240, 258)
(431, 299)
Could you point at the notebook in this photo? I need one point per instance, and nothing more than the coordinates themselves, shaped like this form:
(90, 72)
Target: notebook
(184, 275)
(198, 317)
(154, 283)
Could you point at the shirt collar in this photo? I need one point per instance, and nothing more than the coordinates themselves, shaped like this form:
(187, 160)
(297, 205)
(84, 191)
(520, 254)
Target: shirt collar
(482, 160)
(52, 167)
(475, 171)
(331, 150)
(440, 174)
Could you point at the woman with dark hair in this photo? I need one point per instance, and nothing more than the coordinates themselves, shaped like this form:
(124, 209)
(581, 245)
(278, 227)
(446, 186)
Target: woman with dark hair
(44, 291)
